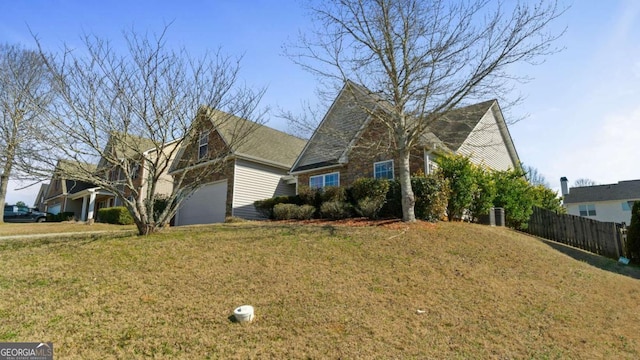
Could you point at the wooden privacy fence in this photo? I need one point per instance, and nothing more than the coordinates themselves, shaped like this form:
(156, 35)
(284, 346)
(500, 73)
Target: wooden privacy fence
(602, 238)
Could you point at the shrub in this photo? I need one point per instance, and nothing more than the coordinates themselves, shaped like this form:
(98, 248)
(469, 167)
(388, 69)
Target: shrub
(515, 195)
(333, 193)
(484, 194)
(285, 211)
(63, 216)
(115, 215)
(369, 207)
(460, 172)
(335, 210)
(370, 188)
(306, 212)
(309, 196)
(432, 193)
(393, 201)
(265, 207)
(633, 234)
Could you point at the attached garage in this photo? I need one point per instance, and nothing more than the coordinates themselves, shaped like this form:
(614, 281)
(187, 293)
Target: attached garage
(205, 206)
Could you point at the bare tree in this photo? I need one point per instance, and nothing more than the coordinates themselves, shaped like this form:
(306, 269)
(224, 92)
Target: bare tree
(24, 96)
(420, 59)
(584, 182)
(534, 176)
(132, 113)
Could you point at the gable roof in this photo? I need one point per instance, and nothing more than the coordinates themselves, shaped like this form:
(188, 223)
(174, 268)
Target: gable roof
(126, 146)
(448, 132)
(251, 140)
(623, 190)
(454, 127)
(339, 127)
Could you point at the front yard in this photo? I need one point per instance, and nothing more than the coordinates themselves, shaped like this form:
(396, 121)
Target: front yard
(320, 291)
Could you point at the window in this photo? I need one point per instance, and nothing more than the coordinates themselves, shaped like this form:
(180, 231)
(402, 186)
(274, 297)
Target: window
(321, 181)
(383, 169)
(587, 210)
(203, 144)
(429, 163)
(627, 205)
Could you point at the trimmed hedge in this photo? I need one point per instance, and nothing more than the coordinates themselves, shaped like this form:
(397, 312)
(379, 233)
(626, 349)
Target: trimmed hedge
(266, 206)
(115, 215)
(63, 216)
(293, 211)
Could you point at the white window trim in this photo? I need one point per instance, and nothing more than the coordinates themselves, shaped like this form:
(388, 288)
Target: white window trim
(204, 135)
(323, 177)
(429, 159)
(393, 171)
(586, 206)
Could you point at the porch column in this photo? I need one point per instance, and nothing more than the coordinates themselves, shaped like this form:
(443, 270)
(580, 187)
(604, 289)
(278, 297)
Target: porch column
(83, 214)
(92, 204)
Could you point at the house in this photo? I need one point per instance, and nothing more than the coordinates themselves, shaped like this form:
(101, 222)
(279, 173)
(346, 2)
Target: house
(238, 161)
(609, 203)
(42, 193)
(69, 195)
(84, 199)
(349, 144)
(126, 155)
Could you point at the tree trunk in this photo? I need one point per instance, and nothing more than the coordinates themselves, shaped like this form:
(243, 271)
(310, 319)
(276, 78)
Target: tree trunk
(408, 197)
(4, 181)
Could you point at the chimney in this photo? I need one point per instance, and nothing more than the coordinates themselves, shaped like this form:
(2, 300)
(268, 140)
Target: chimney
(564, 186)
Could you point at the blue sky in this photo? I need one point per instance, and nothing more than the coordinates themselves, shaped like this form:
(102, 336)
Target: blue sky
(581, 110)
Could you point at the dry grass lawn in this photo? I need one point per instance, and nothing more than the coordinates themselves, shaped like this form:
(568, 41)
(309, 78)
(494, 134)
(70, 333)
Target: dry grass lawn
(10, 229)
(319, 291)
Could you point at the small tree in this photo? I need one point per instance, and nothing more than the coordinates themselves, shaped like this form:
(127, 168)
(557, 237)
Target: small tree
(633, 233)
(547, 199)
(25, 94)
(135, 109)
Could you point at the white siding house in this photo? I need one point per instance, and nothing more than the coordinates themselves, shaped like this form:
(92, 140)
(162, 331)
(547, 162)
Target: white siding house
(609, 202)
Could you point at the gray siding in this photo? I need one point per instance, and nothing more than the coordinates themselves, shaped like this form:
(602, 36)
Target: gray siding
(253, 182)
(485, 145)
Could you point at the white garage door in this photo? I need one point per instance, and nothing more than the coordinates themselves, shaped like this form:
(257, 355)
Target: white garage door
(205, 206)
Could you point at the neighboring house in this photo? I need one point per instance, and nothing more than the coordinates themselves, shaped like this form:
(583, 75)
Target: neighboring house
(136, 154)
(610, 202)
(256, 160)
(85, 199)
(42, 193)
(348, 144)
(69, 195)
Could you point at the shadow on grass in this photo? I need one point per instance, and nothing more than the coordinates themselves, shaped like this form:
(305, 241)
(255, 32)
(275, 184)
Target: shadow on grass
(598, 261)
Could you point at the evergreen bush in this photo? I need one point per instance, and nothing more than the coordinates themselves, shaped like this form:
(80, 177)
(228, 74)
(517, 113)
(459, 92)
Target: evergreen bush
(633, 234)
(115, 215)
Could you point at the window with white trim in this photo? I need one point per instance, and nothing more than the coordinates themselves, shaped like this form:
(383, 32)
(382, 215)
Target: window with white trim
(321, 181)
(203, 145)
(383, 169)
(430, 165)
(587, 210)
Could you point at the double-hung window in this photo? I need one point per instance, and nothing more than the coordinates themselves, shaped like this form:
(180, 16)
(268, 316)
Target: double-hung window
(321, 181)
(587, 210)
(203, 145)
(383, 169)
